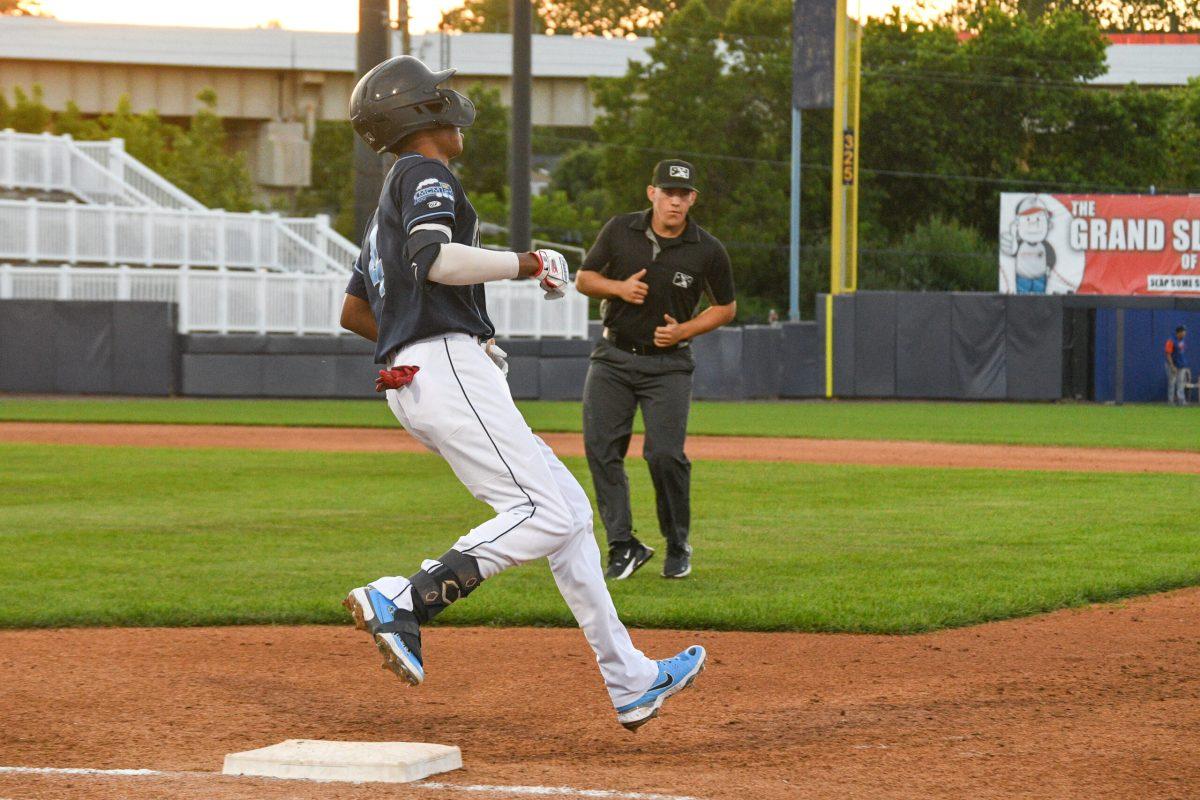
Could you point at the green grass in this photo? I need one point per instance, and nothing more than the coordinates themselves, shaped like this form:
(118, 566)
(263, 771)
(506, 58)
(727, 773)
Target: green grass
(120, 536)
(1137, 426)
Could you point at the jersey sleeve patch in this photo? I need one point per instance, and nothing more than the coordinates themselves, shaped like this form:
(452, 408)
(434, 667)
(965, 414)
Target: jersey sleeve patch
(428, 194)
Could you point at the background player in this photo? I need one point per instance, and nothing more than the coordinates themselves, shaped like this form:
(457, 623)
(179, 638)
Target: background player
(417, 291)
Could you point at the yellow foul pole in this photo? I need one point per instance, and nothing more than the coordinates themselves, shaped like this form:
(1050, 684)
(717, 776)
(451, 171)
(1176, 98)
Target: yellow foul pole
(843, 238)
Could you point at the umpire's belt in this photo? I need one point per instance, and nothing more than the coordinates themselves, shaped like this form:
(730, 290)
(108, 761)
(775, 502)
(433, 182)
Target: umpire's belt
(637, 348)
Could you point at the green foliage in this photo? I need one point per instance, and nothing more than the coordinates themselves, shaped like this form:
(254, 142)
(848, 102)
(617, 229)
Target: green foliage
(1184, 138)
(27, 114)
(488, 16)
(937, 255)
(196, 158)
(22, 8)
(554, 217)
(203, 166)
(611, 18)
(1171, 16)
(483, 165)
(332, 189)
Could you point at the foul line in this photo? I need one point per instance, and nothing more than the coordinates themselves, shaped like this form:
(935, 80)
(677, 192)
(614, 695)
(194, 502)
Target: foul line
(528, 791)
(553, 791)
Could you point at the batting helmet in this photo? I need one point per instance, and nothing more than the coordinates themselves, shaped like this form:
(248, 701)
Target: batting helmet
(401, 96)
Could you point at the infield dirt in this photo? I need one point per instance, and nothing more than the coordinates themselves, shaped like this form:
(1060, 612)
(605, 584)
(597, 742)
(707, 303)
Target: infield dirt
(719, 448)
(1090, 703)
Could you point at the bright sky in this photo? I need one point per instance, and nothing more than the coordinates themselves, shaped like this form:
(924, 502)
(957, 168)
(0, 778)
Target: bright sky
(321, 15)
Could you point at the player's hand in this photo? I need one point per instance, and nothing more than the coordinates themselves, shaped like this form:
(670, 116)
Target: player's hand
(554, 275)
(669, 334)
(632, 290)
(497, 355)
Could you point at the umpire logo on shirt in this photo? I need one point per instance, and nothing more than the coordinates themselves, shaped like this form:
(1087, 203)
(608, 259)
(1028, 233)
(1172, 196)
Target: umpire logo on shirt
(683, 280)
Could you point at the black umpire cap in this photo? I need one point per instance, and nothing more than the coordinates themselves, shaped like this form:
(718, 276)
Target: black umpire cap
(673, 173)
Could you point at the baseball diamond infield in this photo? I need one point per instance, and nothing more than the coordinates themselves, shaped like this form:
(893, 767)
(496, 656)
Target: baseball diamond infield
(1097, 702)
(1102, 701)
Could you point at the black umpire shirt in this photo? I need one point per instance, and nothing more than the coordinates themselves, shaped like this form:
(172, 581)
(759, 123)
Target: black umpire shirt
(679, 271)
(407, 306)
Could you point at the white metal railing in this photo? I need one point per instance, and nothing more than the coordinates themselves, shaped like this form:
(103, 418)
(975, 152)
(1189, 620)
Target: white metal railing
(518, 308)
(95, 172)
(36, 230)
(226, 301)
(111, 155)
(320, 234)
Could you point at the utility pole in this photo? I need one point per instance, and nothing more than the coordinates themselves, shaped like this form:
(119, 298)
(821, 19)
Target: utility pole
(402, 22)
(372, 48)
(520, 147)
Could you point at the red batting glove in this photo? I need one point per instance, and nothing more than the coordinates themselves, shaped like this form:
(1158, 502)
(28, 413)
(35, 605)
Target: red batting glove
(395, 378)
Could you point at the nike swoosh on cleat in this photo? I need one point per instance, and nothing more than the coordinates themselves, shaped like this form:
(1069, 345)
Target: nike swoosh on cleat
(663, 685)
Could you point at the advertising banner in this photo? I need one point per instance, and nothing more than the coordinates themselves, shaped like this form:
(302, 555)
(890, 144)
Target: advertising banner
(1099, 244)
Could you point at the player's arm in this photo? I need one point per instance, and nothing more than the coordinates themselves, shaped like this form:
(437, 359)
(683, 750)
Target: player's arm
(456, 264)
(357, 316)
(428, 199)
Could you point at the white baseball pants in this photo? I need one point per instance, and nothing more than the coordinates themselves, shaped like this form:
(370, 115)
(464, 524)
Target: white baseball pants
(459, 406)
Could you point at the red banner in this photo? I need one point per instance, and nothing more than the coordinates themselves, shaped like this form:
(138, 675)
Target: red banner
(1099, 244)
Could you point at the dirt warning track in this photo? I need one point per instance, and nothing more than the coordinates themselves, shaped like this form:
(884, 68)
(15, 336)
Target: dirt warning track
(704, 448)
(1096, 702)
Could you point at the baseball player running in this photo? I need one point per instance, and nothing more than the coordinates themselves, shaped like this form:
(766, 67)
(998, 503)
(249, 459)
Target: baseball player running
(417, 291)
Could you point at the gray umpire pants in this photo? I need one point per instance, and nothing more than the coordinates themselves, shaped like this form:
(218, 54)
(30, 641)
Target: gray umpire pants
(617, 384)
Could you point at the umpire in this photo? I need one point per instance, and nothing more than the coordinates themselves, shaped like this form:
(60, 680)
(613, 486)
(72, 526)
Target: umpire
(650, 268)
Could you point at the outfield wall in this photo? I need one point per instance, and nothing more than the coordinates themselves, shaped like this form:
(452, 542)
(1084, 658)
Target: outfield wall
(962, 346)
(939, 345)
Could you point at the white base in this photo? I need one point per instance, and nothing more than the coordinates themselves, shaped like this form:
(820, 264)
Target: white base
(355, 762)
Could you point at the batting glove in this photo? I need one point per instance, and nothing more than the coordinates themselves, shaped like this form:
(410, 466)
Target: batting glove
(395, 378)
(554, 274)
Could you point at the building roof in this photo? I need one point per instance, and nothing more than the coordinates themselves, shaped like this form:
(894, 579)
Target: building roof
(1153, 60)
(1151, 63)
(473, 54)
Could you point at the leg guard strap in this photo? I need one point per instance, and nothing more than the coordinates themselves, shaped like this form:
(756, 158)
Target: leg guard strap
(454, 575)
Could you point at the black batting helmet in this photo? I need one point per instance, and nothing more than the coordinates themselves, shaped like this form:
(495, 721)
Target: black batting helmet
(400, 96)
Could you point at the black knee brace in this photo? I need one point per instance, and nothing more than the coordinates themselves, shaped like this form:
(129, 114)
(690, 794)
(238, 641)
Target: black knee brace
(456, 575)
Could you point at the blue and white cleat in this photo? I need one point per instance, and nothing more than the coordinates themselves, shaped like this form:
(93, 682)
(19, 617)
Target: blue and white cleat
(674, 675)
(396, 632)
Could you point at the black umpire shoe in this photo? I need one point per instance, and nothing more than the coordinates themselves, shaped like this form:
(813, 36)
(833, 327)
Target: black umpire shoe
(678, 563)
(624, 558)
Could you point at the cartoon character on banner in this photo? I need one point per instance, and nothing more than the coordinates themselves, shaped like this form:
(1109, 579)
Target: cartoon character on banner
(1035, 255)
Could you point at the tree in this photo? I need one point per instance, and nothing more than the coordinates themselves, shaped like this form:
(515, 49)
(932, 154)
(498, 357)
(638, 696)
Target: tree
(22, 8)
(27, 114)
(487, 16)
(1168, 16)
(195, 158)
(483, 165)
(612, 18)
(948, 122)
(203, 166)
(332, 189)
